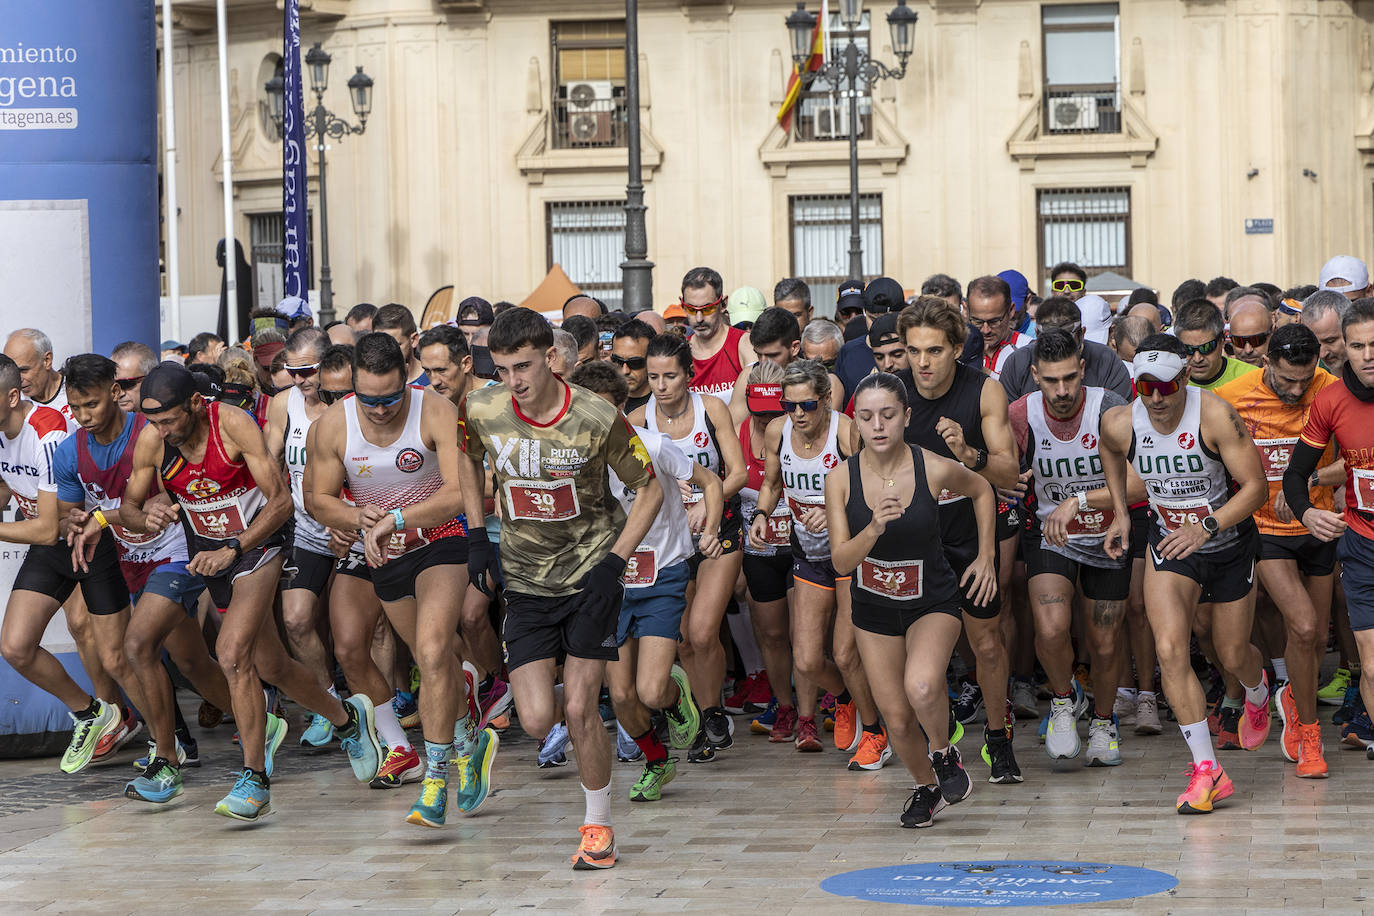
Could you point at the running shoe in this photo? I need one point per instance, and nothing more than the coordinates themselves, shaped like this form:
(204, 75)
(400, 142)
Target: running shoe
(495, 701)
(998, 754)
(968, 702)
(470, 682)
(808, 738)
(1061, 738)
(606, 708)
(719, 728)
(363, 747)
(1351, 706)
(1228, 728)
(925, 803)
(873, 751)
(1288, 715)
(1104, 743)
(1123, 709)
(956, 728)
(1333, 693)
(1256, 721)
(1023, 702)
(209, 715)
(1358, 732)
(1147, 714)
(552, 747)
(701, 750)
(846, 727)
(763, 723)
(955, 784)
(431, 808)
(785, 725)
(407, 707)
(274, 733)
(248, 800)
(111, 744)
(160, 783)
(1207, 785)
(143, 762)
(652, 780)
(1311, 762)
(827, 711)
(1083, 680)
(684, 719)
(87, 733)
(474, 772)
(626, 751)
(318, 733)
(762, 695)
(401, 765)
(597, 849)
(745, 691)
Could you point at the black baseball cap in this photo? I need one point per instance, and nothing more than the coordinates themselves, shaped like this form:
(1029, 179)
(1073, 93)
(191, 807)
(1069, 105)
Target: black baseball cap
(883, 330)
(170, 384)
(849, 295)
(475, 310)
(884, 295)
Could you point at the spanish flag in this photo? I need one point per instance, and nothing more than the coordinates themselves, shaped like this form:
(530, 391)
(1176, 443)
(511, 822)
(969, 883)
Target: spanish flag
(801, 76)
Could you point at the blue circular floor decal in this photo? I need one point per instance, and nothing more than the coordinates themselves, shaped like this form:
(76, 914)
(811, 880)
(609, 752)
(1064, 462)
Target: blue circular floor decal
(1016, 883)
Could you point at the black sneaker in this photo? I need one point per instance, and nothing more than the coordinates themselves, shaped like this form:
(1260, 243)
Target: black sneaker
(920, 810)
(701, 750)
(719, 728)
(968, 703)
(997, 746)
(955, 785)
(188, 744)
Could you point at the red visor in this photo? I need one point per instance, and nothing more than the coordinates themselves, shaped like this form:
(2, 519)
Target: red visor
(764, 398)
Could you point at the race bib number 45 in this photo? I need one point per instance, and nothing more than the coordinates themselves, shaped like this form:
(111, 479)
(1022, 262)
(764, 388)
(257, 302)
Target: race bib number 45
(1174, 515)
(542, 500)
(900, 579)
(1275, 455)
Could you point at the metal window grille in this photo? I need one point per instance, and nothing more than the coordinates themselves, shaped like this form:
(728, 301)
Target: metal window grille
(1089, 226)
(587, 239)
(819, 228)
(1081, 49)
(823, 110)
(265, 240)
(588, 84)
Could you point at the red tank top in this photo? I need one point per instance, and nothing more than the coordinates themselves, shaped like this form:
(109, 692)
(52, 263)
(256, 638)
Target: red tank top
(718, 374)
(219, 496)
(756, 465)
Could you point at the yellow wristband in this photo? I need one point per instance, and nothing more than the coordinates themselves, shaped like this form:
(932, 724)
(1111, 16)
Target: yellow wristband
(100, 518)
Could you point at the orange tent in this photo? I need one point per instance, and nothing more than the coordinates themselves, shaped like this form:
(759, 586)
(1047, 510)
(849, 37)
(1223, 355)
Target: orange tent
(552, 292)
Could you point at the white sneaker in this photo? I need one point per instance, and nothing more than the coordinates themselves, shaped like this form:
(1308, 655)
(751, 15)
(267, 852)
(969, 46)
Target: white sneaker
(1124, 709)
(1061, 737)
(1147, 714)
(1104, 749)
(1023, 701)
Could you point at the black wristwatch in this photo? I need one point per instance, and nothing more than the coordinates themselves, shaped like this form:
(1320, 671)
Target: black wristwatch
(238, 548)
(980, 460)
(1209, 525)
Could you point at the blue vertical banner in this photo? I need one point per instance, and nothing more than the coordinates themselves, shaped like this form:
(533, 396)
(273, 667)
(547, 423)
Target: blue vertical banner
(293, 182)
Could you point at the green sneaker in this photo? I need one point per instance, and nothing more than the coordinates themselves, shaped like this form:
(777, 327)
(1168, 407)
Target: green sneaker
(653, 779)
(87, 733)
(273, 735)
(684, 719)
(1334, 691)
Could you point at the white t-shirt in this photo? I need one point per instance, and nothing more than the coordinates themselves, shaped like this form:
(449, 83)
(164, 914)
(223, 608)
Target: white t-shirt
(669, 540)
(26, 460)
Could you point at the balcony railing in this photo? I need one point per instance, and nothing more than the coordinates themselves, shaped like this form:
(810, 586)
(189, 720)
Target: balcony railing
(589, 123)
(825, 116)
(1082, 109)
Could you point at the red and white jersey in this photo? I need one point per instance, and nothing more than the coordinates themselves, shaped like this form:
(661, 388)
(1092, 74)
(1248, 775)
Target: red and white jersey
(669, 540)
(395, 476)
(26, 460)
(996, 358)
(219, 496)
(718, 373)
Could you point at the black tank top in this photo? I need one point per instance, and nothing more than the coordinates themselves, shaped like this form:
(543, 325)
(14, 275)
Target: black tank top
(906, 567)
(962, 403)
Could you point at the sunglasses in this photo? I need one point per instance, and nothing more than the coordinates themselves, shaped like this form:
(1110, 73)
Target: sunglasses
(1290, 307)
(129, 384)
(1146, 387)
(302, 371)
(706, 309)
(1253, 341)
(329, 397)
(1066, 286)
(989, 322)
(634, 363)
(380, 400)
(805, 406)
(1204, 349)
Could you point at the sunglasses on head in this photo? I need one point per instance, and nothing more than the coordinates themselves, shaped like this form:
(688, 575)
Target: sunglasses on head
(805, 406)
(706, 309)
(1253, 341)
(129, 384)
(302, 371)
(1148, 386)
(630, 362)
(1067, 286)
(1203, 349)
(380, 400)
(329, 397)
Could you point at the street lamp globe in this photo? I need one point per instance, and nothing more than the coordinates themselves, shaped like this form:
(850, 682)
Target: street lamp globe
(317, 59)
(902, 23)
(800, 25)
(851, 13)
(276, 100)
(360, 91)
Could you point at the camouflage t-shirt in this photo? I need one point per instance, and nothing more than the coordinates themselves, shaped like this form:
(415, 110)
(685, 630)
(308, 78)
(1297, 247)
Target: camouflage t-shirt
(558, 516)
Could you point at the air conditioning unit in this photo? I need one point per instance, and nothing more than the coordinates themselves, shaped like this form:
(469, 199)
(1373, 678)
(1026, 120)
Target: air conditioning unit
(591, 95)
(590, 103)
(832, 119)
(1073, 114)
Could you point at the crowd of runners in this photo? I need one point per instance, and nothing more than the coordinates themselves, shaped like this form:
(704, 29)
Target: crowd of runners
(643, 536)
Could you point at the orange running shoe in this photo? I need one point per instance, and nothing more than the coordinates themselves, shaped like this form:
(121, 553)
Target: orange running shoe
(1255, 721)
(1207, 784)
(846, 727)
(1311, 763)
(873, 751)
(597, 849)
(808, 740)
(1288, 715)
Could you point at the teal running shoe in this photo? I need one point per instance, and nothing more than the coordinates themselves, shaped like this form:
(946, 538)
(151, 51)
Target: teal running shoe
(474, 771)
(249, 800)
(362, 746)
(143, 762)
(318, 733)
(160, 783)
(684, 719)
(275, 734)
(430, 809)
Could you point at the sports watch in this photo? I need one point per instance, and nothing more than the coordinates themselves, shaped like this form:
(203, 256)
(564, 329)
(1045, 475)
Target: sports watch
(1209, 525)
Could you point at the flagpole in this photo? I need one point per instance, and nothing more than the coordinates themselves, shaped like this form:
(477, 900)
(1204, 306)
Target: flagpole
(231, 263)
(169, 176)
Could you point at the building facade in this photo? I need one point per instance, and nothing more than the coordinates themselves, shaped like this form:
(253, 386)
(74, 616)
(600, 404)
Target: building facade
(1160, 139)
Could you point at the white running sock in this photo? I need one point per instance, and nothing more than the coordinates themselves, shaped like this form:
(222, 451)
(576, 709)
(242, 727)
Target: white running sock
(389, 727)
(1257, 695)
(1280, 668)
(598, 805)
(1199, 742)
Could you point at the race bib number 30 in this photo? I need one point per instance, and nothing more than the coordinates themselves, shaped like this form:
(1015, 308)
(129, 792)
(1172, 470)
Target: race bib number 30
(217, 519)
(1174, 515)
(542, 500)
(900, 579)
(1364, 489)
(641, 568)
(1275, 455)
